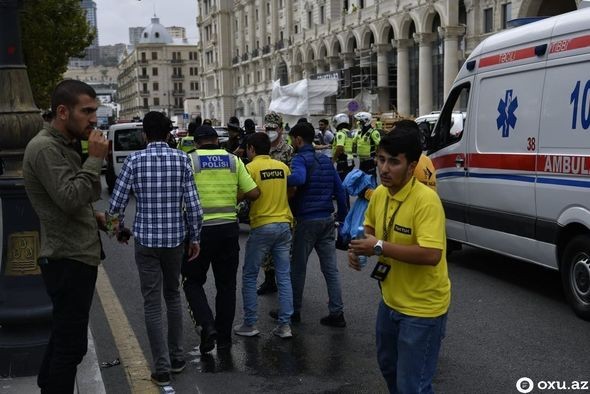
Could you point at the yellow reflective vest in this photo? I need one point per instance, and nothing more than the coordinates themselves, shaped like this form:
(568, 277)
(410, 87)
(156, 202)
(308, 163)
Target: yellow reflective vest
(366, 143)
(187, 144)
(216, 177)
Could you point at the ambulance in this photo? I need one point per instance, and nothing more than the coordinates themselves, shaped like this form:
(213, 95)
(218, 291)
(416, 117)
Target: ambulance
(516, 180)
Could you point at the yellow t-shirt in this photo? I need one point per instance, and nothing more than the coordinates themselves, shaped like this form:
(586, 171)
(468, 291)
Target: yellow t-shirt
(414, 290)
(272, 206)
(425, 172)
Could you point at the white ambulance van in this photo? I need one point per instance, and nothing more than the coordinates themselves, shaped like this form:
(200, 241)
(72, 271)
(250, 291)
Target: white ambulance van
(517, 179)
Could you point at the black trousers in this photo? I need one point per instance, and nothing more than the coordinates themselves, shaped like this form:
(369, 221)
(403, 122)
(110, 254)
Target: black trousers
(70, 285)
(220, 249)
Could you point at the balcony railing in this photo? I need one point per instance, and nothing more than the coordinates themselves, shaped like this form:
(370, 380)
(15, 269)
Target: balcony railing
(265, 49)
(244, 56)
(143, 77)
(144, 93)
(177, 77)
(279, 45)
(142, 61)
(235, 60)
(177, 93)
(255, 53)
(177, 61)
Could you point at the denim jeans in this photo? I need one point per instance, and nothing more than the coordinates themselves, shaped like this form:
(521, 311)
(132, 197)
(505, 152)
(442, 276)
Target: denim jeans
(318, 234)
(159, 271)
(274, 238)
(407, 349)
(70, 285)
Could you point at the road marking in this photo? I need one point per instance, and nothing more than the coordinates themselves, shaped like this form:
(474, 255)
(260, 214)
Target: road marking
(137, 369)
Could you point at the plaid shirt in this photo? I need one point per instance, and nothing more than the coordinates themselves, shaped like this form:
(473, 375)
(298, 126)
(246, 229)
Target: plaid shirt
(163, 183)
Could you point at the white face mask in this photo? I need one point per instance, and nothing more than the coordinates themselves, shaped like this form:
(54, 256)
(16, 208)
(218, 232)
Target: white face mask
(272, 135)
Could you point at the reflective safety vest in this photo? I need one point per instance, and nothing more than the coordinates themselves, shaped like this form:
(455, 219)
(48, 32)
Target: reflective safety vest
(366, 143)
(348, 142)
(187, 144)
(216, 177)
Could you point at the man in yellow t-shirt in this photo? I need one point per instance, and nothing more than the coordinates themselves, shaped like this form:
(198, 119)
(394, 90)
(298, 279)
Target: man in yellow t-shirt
(405, 227)
(270, 232)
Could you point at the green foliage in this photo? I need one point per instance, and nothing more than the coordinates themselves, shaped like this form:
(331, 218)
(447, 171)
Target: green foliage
(52, 32)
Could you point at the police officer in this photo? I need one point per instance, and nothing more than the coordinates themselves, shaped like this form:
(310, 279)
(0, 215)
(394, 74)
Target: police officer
(220, 177)
(187, 143)
(367, 138)
(342, 145)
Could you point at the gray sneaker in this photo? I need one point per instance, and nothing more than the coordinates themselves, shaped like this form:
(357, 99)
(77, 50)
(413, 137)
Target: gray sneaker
(246, 330)
(283, 331)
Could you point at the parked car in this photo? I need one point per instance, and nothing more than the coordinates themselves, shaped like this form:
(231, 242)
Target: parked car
(124, 139)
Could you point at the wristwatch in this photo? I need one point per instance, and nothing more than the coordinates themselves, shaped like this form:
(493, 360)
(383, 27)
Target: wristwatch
(378, 248)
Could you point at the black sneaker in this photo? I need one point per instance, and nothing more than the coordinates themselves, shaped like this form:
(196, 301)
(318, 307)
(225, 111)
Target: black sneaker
(208, 336)
(295, 317)
(161, 379)
(177, 366)
(224, 344)
(334, 320)
(267, 287)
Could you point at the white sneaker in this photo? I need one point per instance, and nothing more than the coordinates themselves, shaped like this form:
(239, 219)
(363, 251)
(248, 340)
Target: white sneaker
(246, 330)
(283, 331)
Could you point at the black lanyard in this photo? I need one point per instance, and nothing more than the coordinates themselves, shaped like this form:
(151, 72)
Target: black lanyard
(387, 228)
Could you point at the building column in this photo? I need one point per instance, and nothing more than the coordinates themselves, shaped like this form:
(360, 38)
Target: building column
(403, 76)
(274, 22)
(320, 66)
(424, 40)
(308, 69)
(334, 62)
(288, 15)
(348, 59)
(252, 26)
(296, 72)
(451, 61)
(382, 77)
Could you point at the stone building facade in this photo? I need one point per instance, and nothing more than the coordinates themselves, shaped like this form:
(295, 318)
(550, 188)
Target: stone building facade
(405, 53)
(158, 74)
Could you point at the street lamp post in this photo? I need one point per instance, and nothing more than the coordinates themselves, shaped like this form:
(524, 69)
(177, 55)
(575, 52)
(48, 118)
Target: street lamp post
(25, 308)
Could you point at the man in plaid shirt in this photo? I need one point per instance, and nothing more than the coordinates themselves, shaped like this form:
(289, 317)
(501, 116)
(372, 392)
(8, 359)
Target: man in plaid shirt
(168, 212)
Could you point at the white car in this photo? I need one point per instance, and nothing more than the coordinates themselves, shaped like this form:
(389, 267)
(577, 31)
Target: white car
(124, 139)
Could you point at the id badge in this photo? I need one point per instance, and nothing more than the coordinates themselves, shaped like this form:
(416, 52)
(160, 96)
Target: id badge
(380, 271)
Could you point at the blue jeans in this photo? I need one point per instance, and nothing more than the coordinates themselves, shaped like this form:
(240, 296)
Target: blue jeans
(318, 234)
(274, 238)
(407, 349)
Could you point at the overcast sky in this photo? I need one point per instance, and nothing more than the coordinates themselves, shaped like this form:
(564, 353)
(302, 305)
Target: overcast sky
(114, 17)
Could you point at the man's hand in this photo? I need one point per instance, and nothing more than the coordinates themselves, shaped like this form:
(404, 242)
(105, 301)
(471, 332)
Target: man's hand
(98, 146)
(353, 260)
(101, 220)
(193, 251)
(363, 246)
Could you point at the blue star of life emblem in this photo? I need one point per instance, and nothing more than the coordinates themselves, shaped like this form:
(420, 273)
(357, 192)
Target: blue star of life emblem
(507, 118)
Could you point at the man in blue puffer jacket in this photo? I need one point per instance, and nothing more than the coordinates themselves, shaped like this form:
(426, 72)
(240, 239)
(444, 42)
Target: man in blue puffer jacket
(317, 182)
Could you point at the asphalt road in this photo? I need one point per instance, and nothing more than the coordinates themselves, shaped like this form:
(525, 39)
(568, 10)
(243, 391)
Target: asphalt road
(507, 320)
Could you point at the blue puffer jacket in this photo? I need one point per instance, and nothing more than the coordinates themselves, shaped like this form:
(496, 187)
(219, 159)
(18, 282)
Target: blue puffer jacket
(317, 181)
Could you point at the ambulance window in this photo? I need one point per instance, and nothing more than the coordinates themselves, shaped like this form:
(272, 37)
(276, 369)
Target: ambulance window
(448, 131)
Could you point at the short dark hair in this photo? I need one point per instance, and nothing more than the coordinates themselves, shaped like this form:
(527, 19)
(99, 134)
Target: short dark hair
(67, 93)
(404, 138)
(326, 121)
(304, 130)
(156, 126)
(260, 142)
